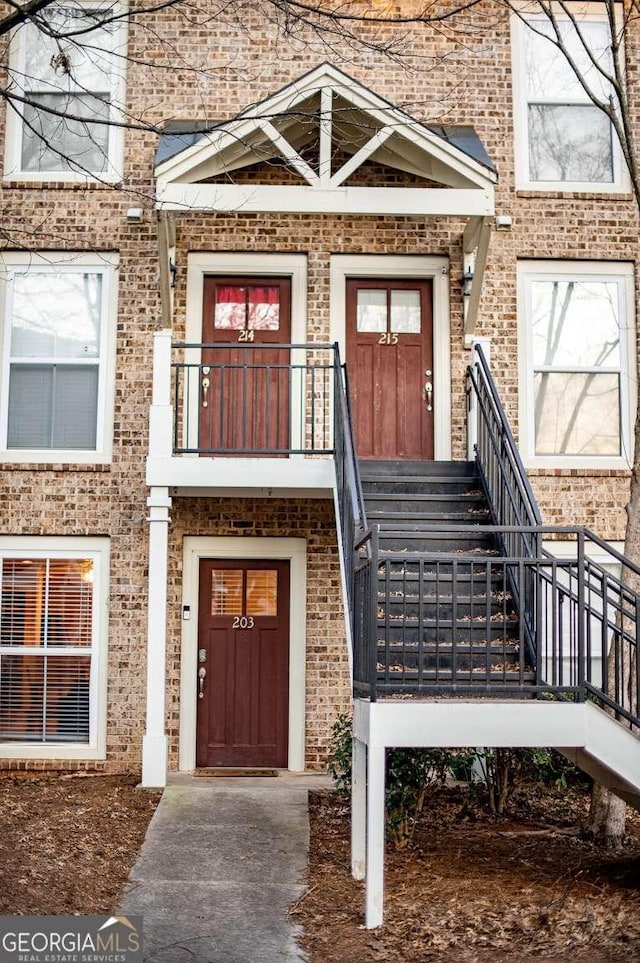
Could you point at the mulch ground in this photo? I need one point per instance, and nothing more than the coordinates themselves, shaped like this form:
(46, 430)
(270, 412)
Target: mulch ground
(474, 888)
(67, 842)
(471, 888)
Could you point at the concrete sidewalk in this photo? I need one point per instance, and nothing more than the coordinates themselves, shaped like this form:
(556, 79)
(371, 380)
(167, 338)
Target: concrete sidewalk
(222, 862)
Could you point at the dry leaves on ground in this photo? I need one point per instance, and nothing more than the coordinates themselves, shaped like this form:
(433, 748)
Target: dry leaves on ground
(474, 888)
(67, 843)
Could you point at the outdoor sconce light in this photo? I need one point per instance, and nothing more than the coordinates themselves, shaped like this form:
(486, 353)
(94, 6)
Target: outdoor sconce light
(467, 281)
(173, 270)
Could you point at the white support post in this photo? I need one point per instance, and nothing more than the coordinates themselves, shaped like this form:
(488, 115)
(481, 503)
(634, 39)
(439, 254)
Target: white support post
(154, 743)
(161, 414)
(374, 879)
(358, 809)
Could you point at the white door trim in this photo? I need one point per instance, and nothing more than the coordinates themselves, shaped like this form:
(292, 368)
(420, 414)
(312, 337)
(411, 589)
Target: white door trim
(436, 269)
(239, 547)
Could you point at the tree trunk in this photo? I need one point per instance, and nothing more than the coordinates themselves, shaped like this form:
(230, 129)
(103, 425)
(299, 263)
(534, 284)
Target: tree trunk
(607, 817)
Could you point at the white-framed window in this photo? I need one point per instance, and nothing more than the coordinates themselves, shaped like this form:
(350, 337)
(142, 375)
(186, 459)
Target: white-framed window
(53, 647)
(69, 87)
(562, 140)
(58, 346)
(577, 373)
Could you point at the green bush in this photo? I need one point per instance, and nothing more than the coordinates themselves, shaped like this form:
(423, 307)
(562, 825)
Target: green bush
(409, 773)
(505, 769)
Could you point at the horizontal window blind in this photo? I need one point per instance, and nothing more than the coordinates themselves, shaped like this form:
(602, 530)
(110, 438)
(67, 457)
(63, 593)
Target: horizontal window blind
(46, 649)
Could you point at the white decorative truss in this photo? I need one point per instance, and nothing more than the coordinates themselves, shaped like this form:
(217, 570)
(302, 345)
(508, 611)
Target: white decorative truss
(323, 128)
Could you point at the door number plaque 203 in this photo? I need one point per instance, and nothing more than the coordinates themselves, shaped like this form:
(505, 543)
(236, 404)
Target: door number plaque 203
(388, 337)
(243, 622)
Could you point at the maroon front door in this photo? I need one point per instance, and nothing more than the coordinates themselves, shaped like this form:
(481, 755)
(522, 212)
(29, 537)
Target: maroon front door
(244, 390)
(243, 664)
(390, 364)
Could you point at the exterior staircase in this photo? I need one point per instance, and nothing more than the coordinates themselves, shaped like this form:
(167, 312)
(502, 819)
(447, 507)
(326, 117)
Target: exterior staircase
(443, 620)
(466, 630)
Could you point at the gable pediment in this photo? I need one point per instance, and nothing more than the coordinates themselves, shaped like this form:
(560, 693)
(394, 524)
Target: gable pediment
(323, 129)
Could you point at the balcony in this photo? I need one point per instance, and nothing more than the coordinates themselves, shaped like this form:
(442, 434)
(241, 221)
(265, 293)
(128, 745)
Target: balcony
(243, 418)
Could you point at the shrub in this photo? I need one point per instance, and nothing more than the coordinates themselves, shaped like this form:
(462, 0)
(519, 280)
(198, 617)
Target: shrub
(409, 773)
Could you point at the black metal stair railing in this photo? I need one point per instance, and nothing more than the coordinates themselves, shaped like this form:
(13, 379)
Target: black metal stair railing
(503, 475)
(508, 492)
(355, 534)
(588, 622)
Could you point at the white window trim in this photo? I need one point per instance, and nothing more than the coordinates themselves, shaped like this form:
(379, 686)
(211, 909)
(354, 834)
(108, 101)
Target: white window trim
(98, 550)
(620, 272)
(13, 131)
(621, 183)
(410, 267)
(239, 547)
(107, 265)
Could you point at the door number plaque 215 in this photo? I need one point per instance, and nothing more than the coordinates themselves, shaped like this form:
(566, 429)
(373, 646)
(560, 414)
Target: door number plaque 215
(388, 337)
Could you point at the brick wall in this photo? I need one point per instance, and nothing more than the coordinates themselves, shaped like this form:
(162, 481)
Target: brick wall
(447, 76)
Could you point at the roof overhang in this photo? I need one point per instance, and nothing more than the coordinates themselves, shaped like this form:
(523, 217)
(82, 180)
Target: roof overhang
(331, 109)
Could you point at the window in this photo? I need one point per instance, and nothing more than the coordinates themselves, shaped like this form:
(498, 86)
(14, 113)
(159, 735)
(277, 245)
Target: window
(563, 141)
(576, 379)
(72, 81)
(57, 335)
(52, 641)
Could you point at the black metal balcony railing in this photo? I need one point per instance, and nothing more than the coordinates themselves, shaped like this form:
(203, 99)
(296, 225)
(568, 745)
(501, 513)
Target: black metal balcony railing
(253, 399)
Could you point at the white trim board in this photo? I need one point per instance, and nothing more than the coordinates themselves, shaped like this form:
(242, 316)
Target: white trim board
(403, 201)
(239, 547)
(436, 269)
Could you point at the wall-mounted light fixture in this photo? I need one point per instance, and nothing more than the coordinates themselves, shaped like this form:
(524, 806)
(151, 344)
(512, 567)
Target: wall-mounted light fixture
(173, 271)
(466, 281)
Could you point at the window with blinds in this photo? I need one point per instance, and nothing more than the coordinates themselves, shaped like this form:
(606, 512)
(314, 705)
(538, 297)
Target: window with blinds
(56, 352)
(47, 649)
(68, 70)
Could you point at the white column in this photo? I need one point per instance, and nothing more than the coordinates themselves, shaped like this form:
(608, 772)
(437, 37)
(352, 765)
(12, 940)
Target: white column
(374, 879)
(161, 413)
(358, 809)
(154, 743)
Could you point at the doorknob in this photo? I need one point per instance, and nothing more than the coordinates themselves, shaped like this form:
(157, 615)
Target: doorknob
(201, 674)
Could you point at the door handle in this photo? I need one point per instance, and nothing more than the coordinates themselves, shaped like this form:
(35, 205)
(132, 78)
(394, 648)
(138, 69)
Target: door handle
(201, 674)
(206, 384)
(428, 392)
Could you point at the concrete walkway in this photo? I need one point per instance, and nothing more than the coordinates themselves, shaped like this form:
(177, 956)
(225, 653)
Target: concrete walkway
(222, 862)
